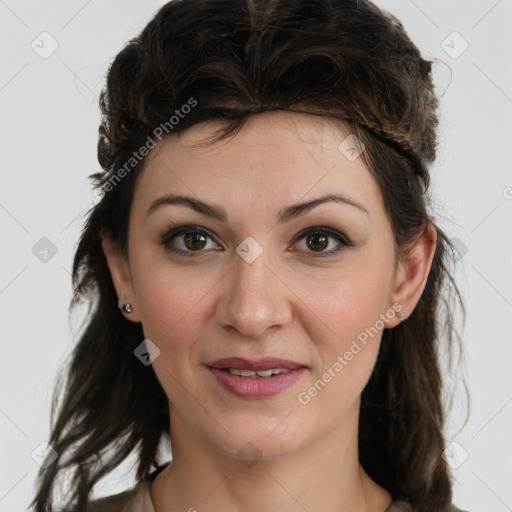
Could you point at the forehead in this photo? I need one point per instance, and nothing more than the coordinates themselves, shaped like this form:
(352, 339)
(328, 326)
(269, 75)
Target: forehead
(276, 157)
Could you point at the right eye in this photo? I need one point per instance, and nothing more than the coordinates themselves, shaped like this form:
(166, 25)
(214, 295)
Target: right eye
(192, 239)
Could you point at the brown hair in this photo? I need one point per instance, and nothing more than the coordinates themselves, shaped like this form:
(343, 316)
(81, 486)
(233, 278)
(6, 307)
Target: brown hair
(235, 58)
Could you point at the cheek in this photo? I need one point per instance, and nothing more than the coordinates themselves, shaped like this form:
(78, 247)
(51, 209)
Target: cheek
(346, 335)
(350, 297)
(346, 323)
(172, 306)
(172, 302)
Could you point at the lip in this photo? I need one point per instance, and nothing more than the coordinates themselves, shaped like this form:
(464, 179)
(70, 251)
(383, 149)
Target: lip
(266, 363)
(244, 387)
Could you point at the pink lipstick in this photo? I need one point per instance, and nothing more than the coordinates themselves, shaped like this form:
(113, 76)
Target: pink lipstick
(256, 379)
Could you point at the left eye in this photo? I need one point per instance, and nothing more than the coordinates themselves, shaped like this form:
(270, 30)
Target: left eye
(317, 240)
(194, 239)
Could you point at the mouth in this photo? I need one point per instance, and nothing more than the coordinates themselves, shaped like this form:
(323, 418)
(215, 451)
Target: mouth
(256, 379)
(253, 374)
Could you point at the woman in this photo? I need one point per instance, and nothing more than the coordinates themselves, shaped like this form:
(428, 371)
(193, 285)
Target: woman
(263, 274)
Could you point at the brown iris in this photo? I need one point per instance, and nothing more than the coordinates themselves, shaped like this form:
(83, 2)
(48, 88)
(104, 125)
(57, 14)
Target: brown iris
(195, 238)
(320, 245)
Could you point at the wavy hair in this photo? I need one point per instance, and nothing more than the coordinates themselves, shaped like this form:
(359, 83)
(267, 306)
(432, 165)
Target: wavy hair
(345, 59)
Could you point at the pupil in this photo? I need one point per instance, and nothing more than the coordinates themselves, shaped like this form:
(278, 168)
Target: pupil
(193, 237)
(323, 244)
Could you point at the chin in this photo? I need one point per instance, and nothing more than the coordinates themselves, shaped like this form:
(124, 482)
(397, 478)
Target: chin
(250, 443)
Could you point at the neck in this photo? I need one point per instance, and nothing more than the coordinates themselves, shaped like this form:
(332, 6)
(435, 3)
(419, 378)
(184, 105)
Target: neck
(325, 475)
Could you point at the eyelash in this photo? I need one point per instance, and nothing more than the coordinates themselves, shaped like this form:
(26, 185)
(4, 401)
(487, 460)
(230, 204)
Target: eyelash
(344, 242)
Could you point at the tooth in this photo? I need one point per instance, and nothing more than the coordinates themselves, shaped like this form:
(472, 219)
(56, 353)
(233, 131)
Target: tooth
(247, 373)
(264, 373)
(256, 374)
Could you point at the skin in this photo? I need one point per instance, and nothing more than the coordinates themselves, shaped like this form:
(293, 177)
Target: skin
(286, 303)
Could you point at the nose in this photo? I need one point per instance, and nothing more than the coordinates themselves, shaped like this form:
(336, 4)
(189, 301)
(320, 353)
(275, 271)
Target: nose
(254, 298)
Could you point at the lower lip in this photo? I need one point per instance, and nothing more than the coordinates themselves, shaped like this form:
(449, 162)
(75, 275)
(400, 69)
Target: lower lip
(257, 388)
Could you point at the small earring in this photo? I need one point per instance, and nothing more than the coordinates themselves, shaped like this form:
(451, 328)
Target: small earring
(126, 308)
(401, 318)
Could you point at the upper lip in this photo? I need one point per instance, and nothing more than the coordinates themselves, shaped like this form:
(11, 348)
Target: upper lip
(266, 363)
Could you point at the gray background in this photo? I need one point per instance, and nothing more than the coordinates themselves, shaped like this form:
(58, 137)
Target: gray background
(48, 141)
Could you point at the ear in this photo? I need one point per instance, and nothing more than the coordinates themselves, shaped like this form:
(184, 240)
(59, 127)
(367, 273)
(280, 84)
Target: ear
(412, 274)
(121, 276)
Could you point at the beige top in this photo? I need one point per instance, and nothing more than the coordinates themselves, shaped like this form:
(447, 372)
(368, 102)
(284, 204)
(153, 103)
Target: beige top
(138, 499)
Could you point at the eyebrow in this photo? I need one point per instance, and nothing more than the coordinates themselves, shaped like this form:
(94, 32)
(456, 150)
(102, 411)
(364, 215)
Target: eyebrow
(285, 214)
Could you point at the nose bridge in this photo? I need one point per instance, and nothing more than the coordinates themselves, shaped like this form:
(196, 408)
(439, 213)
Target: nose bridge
(255, 298)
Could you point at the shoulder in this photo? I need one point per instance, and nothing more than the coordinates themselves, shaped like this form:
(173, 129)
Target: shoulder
(121, 502)
(404, 506)
(399, 506)
(132, 500)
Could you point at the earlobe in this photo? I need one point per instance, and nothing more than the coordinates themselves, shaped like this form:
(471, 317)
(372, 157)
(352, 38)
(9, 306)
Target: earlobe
(412, 274)
(121, 277)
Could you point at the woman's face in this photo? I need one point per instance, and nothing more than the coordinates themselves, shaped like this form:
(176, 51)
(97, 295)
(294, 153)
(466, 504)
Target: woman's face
(255, 286)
